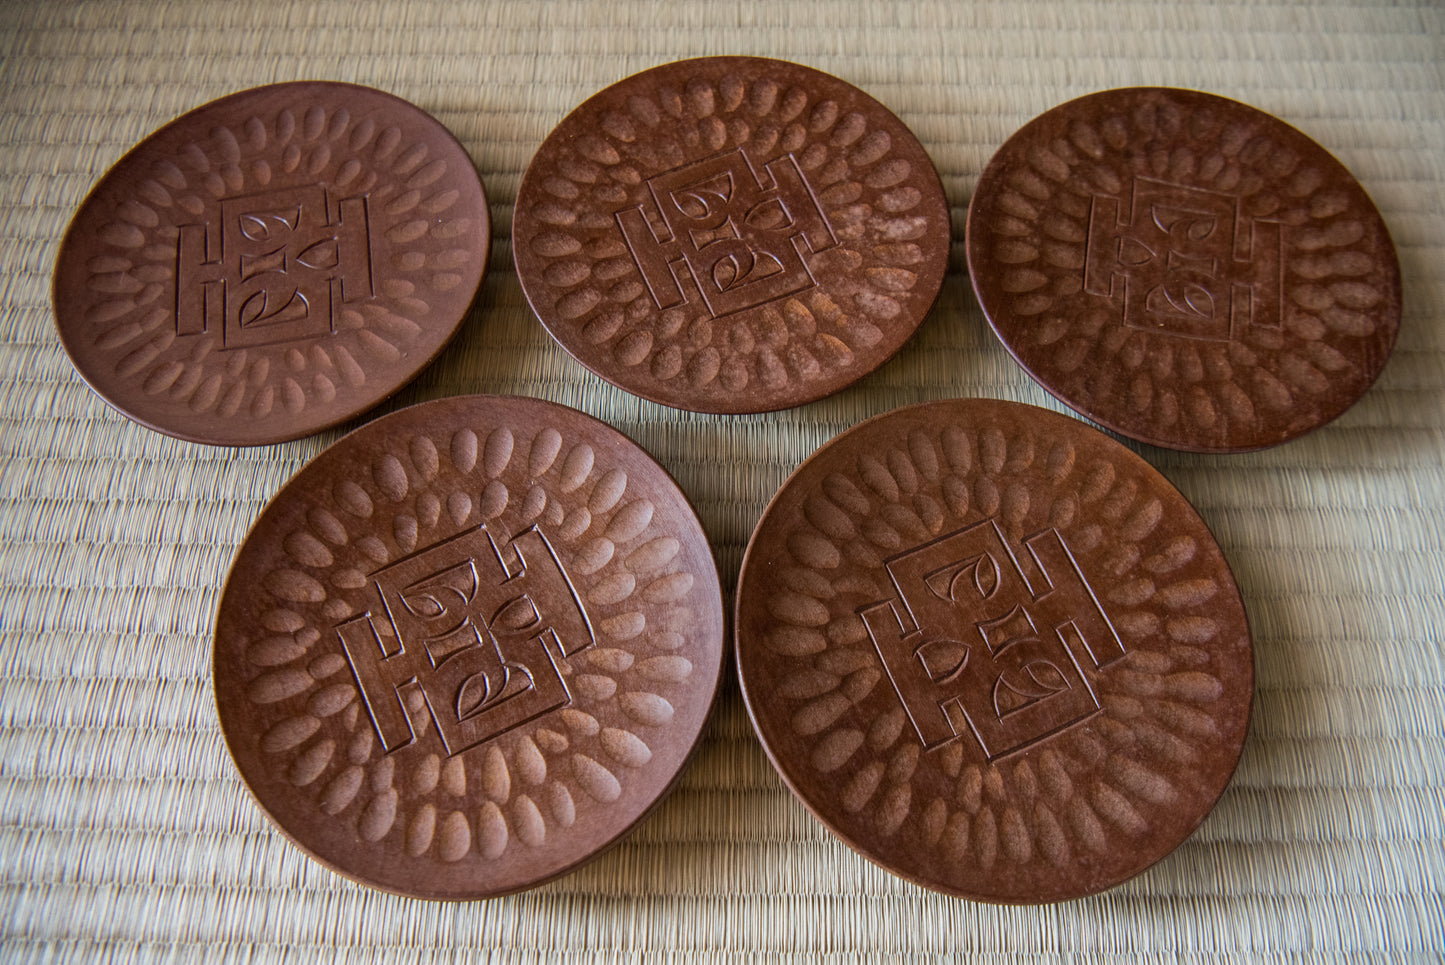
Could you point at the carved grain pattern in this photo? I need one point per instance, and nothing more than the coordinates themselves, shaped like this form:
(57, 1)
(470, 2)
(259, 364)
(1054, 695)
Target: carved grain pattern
(533, 779)
(1242, 391)
(853, 171)
(125, 327)
(1030, 814)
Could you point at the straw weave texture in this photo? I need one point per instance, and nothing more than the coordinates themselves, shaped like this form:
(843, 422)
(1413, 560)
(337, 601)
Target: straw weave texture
(125, 831)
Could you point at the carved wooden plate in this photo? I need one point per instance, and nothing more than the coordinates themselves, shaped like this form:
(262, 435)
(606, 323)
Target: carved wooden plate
(1184, 269)
(272, 263)
(469, 646)
(994, 651)
(731, 234)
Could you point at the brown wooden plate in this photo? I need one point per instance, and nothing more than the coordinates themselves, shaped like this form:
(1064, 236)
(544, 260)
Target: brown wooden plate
(469, 646)
(1184, 269)
(731, 234)
(272, 263)
(994, 651)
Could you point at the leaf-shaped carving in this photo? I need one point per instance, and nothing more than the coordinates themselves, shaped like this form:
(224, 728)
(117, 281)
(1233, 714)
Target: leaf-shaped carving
(1014, 692)
(706, 198)
(733, 270)
(441, 593)
(978, 573)
(769, 215)
(472, 695)
(257, 226)
(942, 658)
(516, 615)
(726, 272)
(1181, 298)
(322, 255)
(259, 308)
(1134, 253)
(1046, 675)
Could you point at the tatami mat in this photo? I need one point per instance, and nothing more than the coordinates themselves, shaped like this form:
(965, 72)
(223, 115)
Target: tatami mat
(125, 831)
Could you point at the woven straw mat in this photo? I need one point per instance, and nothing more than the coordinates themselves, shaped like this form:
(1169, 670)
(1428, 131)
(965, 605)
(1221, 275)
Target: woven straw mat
(126, 833)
